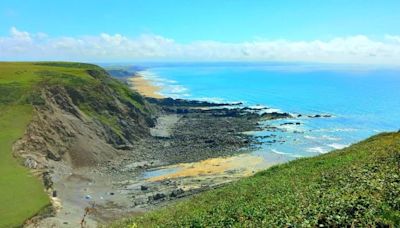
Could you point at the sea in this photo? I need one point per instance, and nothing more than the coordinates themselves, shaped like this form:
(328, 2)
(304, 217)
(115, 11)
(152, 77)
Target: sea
(361, 100)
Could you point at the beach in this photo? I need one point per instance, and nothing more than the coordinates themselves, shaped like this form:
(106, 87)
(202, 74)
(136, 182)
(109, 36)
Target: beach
(194, 146)
(297, 89)
(144, 86)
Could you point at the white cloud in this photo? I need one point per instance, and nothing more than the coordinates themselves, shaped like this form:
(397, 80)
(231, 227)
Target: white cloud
(20, 35)
(393, 38)
(21, 45)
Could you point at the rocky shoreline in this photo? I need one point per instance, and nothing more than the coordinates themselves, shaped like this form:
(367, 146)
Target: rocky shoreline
(186, 132)
(104, 151)
(194, 146)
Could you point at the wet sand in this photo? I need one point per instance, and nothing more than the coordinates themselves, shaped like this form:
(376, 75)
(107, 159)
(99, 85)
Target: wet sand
(242, 165)
(144, 86)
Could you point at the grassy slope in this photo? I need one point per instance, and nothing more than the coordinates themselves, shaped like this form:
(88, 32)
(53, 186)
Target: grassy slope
(359, 185)
(21, 196)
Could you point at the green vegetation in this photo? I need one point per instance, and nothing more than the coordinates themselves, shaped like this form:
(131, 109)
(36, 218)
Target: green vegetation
(358, 186)
(20, 83)
(22, 195)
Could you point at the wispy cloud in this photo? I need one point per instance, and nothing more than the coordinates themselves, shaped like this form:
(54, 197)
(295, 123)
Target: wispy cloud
(22, 45)
(395, 39)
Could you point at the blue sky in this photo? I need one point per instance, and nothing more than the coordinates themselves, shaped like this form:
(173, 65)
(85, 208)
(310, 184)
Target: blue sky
(28, 27)
(222, 20)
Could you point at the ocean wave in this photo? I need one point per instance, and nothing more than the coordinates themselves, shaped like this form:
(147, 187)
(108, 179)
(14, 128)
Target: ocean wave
(176, 89)
(336, 130)
(220, 100)
(286, 154)
(330, 138)
(174, 95)
(317, 149)
(258, 107)
(337, 145)
(211, 99)
(291, 127)
(270, 110)
(297, 156)
(345, 129)
(169, 88)
(148, 75)
(279, 152)
(323, 137)
(310, 137)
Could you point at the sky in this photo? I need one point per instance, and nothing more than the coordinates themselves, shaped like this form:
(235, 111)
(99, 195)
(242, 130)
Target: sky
(338, 31)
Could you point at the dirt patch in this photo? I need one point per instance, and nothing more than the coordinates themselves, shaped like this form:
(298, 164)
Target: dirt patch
(165, 125)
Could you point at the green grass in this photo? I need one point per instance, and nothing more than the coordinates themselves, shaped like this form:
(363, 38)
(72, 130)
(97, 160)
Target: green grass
(357, 186)
(21, 195)
(20, 83)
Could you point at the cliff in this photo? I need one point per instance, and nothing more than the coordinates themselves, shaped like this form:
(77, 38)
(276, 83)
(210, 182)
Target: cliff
(84, 118)
(70, 113)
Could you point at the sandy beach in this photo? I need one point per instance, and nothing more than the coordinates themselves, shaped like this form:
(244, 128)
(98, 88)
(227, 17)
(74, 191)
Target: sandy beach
(240, 165)
(144, 86)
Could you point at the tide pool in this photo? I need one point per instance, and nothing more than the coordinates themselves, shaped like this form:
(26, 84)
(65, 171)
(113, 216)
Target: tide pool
(363, 101)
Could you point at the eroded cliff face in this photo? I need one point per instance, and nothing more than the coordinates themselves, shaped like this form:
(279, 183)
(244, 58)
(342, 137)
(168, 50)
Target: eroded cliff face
(84, 126)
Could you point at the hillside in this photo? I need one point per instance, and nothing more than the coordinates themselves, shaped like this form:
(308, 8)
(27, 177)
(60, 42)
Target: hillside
(358, 186)
(73, 137)
(73, 113)
(71, 131)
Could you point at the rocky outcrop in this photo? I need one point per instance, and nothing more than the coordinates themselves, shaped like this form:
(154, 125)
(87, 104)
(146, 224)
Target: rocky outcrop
(170, 102)
(83, 126)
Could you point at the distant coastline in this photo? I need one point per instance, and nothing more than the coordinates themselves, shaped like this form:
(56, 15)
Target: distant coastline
(144, 86)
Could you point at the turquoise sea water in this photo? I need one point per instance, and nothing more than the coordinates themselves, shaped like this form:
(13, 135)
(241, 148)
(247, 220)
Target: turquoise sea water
(363, 100)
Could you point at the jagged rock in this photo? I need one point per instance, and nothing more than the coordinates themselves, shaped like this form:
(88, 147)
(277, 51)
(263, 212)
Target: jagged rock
(124, 147)
(182, 111)
(157, 196)
(53, 156)
(320, 116)
(276, 115)
(47, 181)
(177, 192)
(30, 163)
(189, 103)
(144, 188)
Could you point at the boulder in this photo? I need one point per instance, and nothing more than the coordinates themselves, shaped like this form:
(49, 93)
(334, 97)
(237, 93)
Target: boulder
(144, 188)
(158, 196)
(30, 163)
(177, 192)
